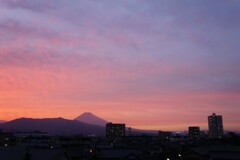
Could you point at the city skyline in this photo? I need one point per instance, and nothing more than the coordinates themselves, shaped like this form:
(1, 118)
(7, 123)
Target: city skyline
(161, 65)
(215, 124)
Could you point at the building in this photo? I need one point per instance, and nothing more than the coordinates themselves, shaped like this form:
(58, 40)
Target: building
(215, 124)
(21, 153)
(213, 152)
(164, 136)
(194, 132)
(114, 130)
(7, 139)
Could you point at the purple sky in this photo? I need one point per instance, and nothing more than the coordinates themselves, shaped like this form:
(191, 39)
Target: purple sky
(158, 64)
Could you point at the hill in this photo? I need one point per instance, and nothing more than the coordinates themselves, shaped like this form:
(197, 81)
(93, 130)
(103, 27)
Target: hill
(52, 126)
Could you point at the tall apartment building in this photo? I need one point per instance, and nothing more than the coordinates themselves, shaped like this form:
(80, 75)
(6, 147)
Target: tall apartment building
(215, 125)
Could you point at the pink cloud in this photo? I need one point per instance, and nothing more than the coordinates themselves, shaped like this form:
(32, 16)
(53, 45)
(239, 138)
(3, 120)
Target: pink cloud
(142, 64)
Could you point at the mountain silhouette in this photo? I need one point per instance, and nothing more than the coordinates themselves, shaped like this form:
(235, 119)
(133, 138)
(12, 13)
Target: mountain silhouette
(90, 118)
(52, 126)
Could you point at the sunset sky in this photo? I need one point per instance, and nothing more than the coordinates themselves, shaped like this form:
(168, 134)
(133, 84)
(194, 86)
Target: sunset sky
(152, 64)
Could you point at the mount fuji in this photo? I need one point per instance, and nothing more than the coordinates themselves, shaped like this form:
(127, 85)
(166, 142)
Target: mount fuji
(92, 119)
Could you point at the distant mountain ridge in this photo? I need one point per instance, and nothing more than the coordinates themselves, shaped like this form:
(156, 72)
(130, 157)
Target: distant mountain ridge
(52, 126)
(90, 118)
(85, 124)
